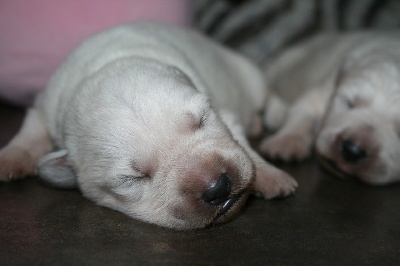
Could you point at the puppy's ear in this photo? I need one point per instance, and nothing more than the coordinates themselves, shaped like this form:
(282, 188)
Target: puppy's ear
(180, 75)
(341, 73)
(344, 69)
(55, 170)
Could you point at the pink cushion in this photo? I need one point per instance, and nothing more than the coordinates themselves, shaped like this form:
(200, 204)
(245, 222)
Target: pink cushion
(37, 35)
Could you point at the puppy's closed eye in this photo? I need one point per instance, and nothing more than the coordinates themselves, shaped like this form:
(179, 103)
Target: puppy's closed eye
(202, 121)
(141, 170)
(193, 122)
(130, 180)
(355, 101)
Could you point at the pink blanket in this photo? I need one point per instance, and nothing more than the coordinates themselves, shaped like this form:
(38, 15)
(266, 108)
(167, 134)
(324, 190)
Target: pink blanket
(37, 35)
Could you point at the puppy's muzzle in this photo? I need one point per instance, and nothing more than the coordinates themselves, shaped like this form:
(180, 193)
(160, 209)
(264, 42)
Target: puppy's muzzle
(351, 155)
(218, 193)
(351, 152)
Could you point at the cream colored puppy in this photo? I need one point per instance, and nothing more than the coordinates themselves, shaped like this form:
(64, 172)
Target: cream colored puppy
(345, 96)
(150, 120)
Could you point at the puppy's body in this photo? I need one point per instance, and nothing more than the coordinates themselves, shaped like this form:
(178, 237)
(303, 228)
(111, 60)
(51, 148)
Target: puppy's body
(149, 119)
(344, 92)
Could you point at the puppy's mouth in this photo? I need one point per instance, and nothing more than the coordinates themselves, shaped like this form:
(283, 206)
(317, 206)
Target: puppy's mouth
(333, 168)
(227, 205)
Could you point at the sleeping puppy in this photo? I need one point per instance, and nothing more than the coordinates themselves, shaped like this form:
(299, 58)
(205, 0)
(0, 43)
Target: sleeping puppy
(150, 120)
(344, 93)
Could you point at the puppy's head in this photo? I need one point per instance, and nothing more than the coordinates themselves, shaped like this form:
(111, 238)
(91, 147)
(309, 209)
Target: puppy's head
(142, 140)
(360, 135)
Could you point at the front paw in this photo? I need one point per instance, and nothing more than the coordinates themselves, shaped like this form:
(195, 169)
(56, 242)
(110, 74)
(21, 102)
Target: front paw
(15, 164)
(287, 147)
(270, 182)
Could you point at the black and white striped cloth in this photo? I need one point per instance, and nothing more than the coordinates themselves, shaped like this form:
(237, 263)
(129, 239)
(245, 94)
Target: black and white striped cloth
(261, 28)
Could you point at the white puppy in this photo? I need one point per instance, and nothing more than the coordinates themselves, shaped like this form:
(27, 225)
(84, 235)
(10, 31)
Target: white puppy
(345, 96)
(150, 120)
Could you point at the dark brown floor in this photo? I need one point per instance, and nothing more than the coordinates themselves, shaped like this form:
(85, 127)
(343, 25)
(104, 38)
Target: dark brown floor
(328, 221)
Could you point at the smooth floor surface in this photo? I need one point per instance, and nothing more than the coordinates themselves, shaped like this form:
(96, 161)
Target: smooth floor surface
(327, 222)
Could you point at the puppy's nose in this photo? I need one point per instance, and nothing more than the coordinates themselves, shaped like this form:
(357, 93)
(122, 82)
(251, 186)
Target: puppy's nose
(219, 191)
(351, 152)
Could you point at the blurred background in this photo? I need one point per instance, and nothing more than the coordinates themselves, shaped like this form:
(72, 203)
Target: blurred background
(36, 36)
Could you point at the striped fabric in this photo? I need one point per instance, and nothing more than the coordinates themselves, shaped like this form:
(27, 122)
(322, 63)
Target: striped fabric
(261, 28)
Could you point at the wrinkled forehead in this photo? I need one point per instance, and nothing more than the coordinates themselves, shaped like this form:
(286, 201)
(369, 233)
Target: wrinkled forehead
(169, 89)
(377, 92)
(152, 91)
(371, 74)
(146, 118)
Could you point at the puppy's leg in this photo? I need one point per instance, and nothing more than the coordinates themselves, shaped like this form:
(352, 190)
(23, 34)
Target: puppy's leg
(270, 182)
(275, 113)
(273, 118)
(20, 157)
(294, 139)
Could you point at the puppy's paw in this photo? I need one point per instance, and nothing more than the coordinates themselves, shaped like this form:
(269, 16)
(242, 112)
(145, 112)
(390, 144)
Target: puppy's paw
(287, 147)
(270, 182)
(275, 113)
(15, 164)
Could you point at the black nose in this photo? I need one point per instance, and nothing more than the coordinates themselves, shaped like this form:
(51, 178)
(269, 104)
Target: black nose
(351, 152)
(219, 191)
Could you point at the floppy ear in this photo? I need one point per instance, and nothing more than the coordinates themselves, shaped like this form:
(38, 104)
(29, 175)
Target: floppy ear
(55, 170)
(342, 71)
(346, 67)
(179, 74)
